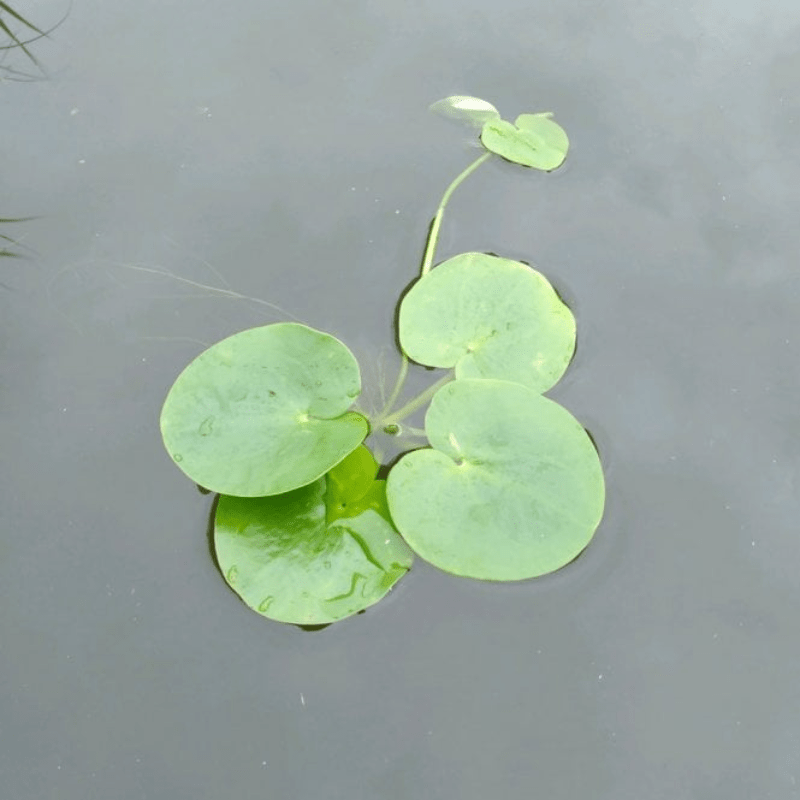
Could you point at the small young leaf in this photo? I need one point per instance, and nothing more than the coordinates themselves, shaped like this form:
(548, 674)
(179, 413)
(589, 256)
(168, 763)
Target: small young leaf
(472, 110)
(264, 411)
(536, 141)
(352, 488)
(488, 317)
(285, 558)
(513, 488)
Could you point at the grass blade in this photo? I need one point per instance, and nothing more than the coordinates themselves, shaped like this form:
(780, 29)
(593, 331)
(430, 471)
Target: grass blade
(7, 8)
(17, 42)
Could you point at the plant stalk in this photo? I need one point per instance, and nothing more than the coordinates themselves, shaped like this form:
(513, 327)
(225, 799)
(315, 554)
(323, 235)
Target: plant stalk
(415, 403)
(398, 387)
(433, 236)
(427, 263)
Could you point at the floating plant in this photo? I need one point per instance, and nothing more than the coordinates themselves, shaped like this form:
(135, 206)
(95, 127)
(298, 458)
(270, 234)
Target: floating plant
(509, 486)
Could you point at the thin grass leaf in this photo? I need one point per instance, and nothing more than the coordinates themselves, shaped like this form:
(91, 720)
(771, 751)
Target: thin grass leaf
(7, 8)
(11, 74)
(17, 42)
(22, 44)
(12, 241)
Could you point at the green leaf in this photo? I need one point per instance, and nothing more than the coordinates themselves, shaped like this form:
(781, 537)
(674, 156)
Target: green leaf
(8, 10)
(472, 110)
(264, 411)
(4, 251)
(352, 488)
(488, 317)
(16, 41)
(513, 488)
(536, 141)
(289, 561)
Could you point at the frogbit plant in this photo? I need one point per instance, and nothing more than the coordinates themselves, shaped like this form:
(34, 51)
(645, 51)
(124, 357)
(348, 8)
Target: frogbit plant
(510, 486)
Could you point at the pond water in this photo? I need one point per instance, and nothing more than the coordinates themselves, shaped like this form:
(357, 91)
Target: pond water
(284, 152)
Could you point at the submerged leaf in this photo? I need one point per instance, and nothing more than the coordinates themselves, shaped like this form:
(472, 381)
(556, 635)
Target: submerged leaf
(537, 141)
(472, 110)
(513, 487)
(488, 317)
(290, 562)
(264, 411)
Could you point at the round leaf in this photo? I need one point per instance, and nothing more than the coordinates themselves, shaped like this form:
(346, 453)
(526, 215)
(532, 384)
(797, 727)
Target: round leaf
(536, 141)
(284, 558)
(264, 411)
(488, 317)
(472, 110)
(513, 487)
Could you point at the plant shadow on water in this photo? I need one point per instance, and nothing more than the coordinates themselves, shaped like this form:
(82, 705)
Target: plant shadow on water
(309, 527)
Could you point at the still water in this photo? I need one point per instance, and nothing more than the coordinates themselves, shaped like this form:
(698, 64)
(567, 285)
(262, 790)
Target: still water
(283, 155)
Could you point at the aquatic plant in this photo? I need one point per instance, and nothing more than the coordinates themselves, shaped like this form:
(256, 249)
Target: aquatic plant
(9, 247)
(8, 242)
(509, 487)
(9, 19)
(14, 40)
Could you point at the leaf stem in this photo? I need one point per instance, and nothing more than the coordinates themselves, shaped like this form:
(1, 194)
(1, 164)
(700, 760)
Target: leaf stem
(415, 403)
(433, 236)
(407, 430)
(427, 263)
(398, 386)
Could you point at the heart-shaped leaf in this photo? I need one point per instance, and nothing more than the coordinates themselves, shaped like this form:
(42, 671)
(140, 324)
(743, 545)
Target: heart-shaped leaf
(264, 411)
(513, 487)
(315, 555)
(488, 317)
(472, 110)
(536, 141)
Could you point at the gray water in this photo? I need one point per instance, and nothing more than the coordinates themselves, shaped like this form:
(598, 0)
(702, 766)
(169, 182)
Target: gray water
(284, 151)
